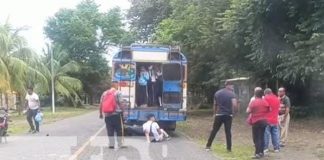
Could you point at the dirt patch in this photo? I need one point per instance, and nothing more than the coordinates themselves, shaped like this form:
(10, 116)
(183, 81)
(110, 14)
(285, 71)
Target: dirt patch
(306, 137)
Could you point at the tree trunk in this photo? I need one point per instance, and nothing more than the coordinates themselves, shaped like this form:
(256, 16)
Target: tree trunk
(1, 100)
(6, 101)
(20, 103)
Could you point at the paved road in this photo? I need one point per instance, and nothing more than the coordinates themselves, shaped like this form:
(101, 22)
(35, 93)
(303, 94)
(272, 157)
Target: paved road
(69, 138)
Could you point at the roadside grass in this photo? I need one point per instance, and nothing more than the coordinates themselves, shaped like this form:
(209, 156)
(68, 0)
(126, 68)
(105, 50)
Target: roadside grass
(239, 151)
(18, 123)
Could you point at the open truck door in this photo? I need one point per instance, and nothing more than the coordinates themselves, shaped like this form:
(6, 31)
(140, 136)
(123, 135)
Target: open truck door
(172, 86)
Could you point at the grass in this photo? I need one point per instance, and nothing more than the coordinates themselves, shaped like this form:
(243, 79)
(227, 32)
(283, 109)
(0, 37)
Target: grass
(18, 123)
(201, 120)
(239, 152)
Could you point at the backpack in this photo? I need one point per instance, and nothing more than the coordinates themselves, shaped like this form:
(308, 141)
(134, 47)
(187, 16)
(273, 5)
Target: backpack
(109, 104)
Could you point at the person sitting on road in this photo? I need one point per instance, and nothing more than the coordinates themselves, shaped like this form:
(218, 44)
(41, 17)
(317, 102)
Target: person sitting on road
(151, 127)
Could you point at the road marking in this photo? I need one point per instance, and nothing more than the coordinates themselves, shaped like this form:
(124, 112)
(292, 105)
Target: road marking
(85, 144)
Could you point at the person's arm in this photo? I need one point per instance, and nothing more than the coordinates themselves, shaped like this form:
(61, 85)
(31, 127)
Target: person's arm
(215, 107)
(147, 135)
(26, 102)
(249, 108)
(287, 105)
(234, 105)
(146, 76)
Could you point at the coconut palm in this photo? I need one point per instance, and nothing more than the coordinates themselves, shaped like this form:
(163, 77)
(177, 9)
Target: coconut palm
(65, 85)
(15, 73)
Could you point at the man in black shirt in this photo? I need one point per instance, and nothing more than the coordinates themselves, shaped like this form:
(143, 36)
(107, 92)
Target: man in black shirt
(225, 103)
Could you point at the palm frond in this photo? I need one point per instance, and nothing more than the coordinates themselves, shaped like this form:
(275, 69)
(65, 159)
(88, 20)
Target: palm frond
(71, 67)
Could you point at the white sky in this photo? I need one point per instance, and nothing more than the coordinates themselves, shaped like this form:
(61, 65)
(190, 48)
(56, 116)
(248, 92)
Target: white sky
(34, 13)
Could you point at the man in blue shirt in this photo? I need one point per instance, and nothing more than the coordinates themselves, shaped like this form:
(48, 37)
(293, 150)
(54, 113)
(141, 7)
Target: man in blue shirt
(225, 103)
(142, 84)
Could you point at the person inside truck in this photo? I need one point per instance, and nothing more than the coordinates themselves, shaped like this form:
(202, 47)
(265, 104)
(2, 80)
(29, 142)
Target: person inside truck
(159, 85)
(151, 127)
(151, 86)
(142, 84)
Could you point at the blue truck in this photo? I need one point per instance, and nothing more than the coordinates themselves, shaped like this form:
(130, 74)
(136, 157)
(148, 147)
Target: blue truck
(166, 93)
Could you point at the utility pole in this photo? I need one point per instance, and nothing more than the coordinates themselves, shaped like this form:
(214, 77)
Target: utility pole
(52, 79)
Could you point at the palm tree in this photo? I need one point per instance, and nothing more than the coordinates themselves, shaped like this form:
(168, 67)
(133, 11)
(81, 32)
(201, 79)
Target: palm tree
(15, 73)
(65, 85)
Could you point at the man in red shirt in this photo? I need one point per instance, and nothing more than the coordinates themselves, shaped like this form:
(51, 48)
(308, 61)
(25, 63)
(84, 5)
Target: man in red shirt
(273, 121)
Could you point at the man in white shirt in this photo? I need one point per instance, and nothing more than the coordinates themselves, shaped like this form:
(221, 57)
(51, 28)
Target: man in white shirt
(32, 105)
(153, 128)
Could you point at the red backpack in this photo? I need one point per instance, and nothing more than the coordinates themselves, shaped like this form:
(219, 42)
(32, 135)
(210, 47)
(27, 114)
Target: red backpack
(109, 102)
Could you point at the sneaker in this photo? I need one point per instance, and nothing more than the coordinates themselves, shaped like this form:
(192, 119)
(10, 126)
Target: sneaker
(168, 138)
(256, 156)
(111, 147)
(207, 149)
(34, 131)
(266, 151)
(276, 151)
(31, 131)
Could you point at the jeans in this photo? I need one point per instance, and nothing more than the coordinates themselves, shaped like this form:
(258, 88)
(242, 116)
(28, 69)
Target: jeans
(258, 130)
(273, 131)
(114, 124)
(31, 113)
(218, 121)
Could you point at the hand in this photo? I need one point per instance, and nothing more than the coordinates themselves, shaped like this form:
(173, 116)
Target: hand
(101, 116)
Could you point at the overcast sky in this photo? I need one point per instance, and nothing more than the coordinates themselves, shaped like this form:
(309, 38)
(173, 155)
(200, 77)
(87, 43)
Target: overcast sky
(34, 13)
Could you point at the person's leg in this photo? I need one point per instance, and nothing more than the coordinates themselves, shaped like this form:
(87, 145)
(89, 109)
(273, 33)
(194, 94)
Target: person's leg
(110, 131)
(228, 133)
(164, 133)
(275, 137)
(119, 129)
(262, 130)
(145, 95)
(216, 126)
(150, 93)
(141, 95)
(259, 147)
(254, 136)
(284, 130)
(267, 137)
(36, 123)
(30, 120)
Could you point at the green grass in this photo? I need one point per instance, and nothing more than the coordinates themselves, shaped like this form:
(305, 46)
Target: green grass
(18, 123)
(239, 152)
(196, 122)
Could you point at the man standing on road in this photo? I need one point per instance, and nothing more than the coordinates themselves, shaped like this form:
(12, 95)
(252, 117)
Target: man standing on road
(272, 128)
(225, 103)
(284, 115)
(32, 106)
(111, 108)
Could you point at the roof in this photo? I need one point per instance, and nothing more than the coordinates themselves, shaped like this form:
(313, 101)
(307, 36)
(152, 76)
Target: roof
(238, 79)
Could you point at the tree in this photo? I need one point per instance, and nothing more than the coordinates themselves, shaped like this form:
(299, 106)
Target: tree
(65, 85)
(18, 63)
(145, 15)
(85, 34)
